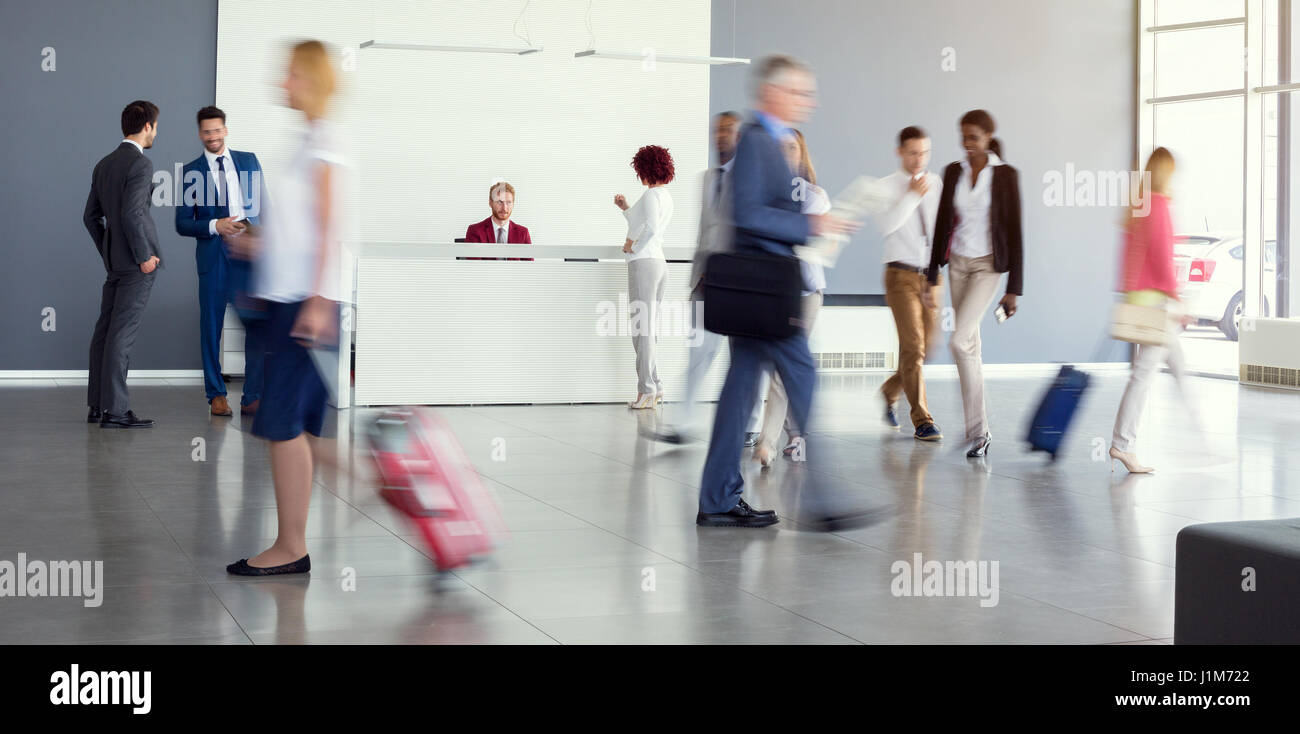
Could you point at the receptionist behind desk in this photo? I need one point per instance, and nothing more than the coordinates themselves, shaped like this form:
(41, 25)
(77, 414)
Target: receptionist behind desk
(498, 229)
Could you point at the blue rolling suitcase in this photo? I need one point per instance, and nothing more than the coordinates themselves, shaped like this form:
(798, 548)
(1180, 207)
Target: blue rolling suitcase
(1052, 419)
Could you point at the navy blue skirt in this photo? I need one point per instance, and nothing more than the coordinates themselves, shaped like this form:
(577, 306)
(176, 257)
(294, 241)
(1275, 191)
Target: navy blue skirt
(294, 397)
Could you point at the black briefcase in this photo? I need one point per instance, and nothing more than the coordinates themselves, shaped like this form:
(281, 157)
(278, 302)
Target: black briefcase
(754, 294)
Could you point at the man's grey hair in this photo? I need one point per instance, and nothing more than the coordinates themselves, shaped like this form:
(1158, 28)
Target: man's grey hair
(772, 69)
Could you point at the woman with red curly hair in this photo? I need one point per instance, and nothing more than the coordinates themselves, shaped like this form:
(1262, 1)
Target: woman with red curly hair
(647, 272)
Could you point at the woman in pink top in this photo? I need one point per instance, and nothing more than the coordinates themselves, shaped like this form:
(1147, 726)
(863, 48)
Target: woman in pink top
(1148, 279)
(1149, 246)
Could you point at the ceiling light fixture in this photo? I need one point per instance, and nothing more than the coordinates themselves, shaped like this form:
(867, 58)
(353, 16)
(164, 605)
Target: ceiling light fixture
(658, 57)
(653, 56)
(519, 51)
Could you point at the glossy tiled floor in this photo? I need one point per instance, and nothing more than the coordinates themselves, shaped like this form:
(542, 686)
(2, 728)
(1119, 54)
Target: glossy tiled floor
(604, 546)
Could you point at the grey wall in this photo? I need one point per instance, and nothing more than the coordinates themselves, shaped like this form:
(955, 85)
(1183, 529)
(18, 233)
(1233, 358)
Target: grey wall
(1060, 79)
(1058, 76)
(57, 125)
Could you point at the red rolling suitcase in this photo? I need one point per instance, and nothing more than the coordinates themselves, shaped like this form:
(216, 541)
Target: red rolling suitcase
(425, 474)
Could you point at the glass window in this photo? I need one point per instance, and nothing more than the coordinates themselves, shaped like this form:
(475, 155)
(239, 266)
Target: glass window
(1223, 276)
(1170, 12)
(1272, 73)
(1205, 137)
(1200, 60)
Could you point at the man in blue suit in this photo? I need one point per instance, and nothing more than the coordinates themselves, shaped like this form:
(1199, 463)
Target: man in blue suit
(223, 193)
(766, 216)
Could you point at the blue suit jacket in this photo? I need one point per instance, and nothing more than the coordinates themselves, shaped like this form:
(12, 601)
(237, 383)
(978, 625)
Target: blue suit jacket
(765, 214)
(192, 218)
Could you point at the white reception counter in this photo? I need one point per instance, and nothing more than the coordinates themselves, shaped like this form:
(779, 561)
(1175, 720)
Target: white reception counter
(431, 329)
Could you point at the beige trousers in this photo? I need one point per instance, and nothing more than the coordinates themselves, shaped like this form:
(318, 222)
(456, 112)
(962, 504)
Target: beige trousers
(776, 413)
(974, 286)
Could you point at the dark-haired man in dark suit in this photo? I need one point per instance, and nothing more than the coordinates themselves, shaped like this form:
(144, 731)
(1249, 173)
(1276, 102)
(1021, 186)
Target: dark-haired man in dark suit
(121, 226)
(224, 194)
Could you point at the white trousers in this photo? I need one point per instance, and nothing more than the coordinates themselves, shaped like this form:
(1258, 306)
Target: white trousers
(1146, 360)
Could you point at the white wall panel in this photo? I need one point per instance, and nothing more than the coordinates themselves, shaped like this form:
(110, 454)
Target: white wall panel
(430, 130)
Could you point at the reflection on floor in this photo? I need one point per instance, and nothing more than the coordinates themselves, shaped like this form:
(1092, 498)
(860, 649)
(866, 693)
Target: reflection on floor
(604, 546)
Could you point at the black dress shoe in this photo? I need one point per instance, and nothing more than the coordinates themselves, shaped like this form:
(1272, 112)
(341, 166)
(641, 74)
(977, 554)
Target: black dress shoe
(745, 505)
(94, 415)
(241, 568)
(740, 516)
(751, 439)
(124, 421)
(845, 519)
(664, 435)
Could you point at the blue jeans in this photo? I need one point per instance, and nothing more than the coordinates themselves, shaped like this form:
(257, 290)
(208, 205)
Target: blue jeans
(721, 486)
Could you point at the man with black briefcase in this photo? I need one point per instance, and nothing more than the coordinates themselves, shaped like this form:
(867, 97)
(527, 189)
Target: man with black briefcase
(752, 294)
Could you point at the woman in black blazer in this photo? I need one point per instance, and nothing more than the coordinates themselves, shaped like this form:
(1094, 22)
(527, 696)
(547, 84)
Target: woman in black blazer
(977, 235)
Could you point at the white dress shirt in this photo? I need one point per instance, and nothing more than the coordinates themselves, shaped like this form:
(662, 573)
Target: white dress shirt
(971, 237)
(647, 220)
(908, 225)
(132, 142)
(286, 268)
(234, 196)
(496, 229)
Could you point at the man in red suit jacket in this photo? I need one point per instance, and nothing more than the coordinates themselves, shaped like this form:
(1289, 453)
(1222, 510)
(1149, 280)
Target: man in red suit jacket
(498, 227)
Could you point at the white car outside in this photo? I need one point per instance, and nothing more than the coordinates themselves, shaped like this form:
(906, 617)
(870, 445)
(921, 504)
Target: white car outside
(1209, 271)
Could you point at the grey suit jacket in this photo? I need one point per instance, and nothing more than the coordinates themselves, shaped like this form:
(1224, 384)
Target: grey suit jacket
(117, 212)
(715, 223)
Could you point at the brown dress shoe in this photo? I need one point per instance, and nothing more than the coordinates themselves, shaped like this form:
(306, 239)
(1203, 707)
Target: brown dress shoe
(249, 409)
(220, 406)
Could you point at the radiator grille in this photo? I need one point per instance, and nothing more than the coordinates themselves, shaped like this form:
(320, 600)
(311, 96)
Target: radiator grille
(1275, 376)
(853, 360)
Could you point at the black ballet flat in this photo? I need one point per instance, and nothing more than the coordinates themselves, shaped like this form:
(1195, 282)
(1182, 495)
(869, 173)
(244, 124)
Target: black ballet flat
(241, 568)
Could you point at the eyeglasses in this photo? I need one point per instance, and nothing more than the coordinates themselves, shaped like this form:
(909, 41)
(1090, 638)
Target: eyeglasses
(798, 92)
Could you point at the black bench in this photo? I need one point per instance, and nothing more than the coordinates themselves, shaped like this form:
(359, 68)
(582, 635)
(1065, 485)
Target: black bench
(1211, 603)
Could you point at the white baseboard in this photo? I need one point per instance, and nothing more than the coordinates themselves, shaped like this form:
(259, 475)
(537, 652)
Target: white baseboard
(1030, 368)
(85, 374)
(1034, 368)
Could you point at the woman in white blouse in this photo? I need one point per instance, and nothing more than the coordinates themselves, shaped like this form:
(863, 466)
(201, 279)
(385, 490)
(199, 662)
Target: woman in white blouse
(296, 272)
(977, 234)
(814, 201)
(647, 272)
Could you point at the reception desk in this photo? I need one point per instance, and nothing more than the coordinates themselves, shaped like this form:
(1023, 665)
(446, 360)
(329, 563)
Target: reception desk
(432, 329)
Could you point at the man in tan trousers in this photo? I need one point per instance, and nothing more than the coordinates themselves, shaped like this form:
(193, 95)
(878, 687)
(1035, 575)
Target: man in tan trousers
(908, 227)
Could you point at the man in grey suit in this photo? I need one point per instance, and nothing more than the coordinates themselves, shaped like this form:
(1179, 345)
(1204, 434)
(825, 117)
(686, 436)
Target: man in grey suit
(715, 215)
(121, 226)
(714, 236)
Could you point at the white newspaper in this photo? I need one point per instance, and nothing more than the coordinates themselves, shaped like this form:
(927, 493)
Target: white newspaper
(863, 199)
